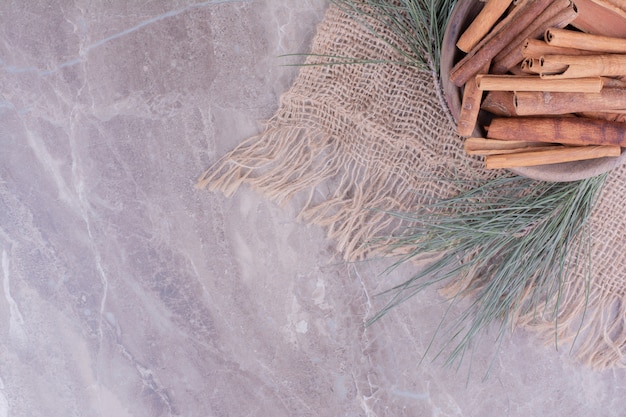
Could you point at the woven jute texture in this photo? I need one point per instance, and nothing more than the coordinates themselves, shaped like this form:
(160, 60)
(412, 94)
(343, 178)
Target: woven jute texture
(351, 143)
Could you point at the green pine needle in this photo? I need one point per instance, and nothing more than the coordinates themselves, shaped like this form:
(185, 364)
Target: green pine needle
(419, 24)
(510, 239)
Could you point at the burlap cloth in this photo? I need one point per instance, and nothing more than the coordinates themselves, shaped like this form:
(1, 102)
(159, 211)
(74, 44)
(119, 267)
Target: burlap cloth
(353, 142)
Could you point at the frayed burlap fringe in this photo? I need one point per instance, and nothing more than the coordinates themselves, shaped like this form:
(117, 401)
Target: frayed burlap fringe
(352, 143)
(591, 319)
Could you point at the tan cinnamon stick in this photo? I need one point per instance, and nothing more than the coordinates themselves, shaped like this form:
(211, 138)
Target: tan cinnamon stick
(482, 23)
(470, 106)
(557, 15)
(482, 146)
(517, 8)
(513, 23)
(601, 17)
(552, 66)
(517, 83)
(531, 66)
(530, 103)
(500, 103)
(538, 66)
(528, 66)
(550, 156)
(573, 39)
(583, 66)
(536, 48)
(567, 130)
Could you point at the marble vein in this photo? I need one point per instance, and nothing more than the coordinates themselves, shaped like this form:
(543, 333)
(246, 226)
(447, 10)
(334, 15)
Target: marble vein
(4, 402)
(16, 320)
(87, 49)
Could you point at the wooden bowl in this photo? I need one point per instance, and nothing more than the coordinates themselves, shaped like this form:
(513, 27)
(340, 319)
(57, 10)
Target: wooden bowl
(462, 15)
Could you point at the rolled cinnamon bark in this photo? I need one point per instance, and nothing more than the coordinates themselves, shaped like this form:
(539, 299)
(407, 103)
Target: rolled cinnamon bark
(470, 106)
(550, 156)
(521, 83)
(601, 17)
(482, 23)
(580, 40)
(567, 130)
(538, 66)
(530, 65)
(482, 146)
(536, 48)
(514, 23)
(551, 66)
(517, 8)
(529, 103)
(584, 66)
(557, 15)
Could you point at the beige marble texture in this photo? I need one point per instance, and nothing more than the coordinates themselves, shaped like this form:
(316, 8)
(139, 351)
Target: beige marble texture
(126, 292)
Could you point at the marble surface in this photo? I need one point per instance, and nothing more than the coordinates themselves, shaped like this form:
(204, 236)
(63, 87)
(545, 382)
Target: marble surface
(126, 292)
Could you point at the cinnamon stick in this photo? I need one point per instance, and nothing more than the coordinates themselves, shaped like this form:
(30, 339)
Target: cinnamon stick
(516, 9)
(550, 156)
(526, 66)
(538, 65)
(558, 15)
(587, 41)
(515, 22)
(482, 23)
(536, 48)
(584, 66)
(567, 130)
(550, 103)
(517, 83)
(601, 17)
(552, 65)
(482, 146)
(470, 106)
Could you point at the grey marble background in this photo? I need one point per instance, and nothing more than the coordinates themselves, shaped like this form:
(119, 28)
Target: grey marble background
(126, 292)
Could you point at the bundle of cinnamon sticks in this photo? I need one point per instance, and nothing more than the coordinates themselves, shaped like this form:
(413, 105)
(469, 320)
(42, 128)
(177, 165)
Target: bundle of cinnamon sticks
(557, 93)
